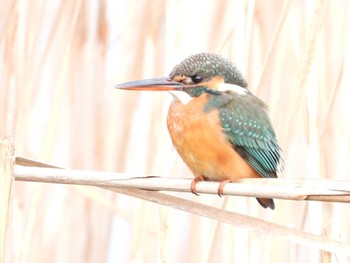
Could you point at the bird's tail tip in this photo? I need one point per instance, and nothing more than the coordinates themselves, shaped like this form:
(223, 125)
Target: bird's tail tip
(266, 203)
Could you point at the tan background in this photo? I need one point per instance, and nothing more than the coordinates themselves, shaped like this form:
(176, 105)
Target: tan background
(59, 62)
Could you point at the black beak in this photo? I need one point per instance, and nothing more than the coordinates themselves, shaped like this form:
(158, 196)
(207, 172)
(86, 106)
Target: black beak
(151, 84)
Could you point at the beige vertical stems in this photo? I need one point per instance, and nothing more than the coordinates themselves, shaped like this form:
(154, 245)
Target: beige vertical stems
(6, 179)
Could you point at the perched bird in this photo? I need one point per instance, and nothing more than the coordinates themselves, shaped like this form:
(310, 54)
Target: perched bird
(223, 133)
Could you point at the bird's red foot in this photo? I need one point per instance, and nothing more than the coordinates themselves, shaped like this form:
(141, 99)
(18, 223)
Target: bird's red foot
(193, 184)
(221, 186)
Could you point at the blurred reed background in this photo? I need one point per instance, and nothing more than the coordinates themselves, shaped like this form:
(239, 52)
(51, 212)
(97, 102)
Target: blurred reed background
(59, 62)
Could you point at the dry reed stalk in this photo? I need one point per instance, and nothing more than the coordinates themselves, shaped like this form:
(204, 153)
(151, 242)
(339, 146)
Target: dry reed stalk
(6, 170)
(242, 221)
(246, 222)
(307, 60)
(57, 96)
(297, 189)
(273, 46)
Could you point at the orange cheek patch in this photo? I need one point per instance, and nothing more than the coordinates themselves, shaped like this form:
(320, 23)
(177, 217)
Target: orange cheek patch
(179, 78)
(215, 82)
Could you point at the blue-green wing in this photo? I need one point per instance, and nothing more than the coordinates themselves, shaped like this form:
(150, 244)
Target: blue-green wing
(248, 127)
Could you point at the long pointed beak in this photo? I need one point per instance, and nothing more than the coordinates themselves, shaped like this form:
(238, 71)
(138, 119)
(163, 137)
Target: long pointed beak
(151, 84)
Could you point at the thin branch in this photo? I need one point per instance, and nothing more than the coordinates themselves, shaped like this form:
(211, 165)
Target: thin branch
(300, 189)
(239, 220)
(235, 219)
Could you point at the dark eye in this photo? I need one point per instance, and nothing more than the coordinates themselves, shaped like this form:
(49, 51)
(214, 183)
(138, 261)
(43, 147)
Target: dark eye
(196, 79)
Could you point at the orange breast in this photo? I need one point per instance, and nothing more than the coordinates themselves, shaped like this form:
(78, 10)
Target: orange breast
(200, 141)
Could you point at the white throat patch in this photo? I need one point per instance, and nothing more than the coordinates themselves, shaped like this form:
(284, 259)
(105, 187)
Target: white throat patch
(181, 96)
(232, 87)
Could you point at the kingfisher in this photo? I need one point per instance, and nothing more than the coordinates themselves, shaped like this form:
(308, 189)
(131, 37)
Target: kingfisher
(222, 131)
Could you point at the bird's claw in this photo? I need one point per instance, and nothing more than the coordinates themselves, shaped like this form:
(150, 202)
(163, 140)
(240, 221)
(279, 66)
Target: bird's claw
(193, 185)
(221, 186)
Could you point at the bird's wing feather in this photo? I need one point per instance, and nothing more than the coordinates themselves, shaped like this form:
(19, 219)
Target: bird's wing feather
(248, 127)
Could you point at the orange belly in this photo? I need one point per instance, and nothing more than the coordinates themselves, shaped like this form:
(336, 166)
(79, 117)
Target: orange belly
(202, 144)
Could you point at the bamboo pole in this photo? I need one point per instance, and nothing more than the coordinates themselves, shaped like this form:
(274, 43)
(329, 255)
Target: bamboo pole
(290, 189)
(6, 179)
(246, 222)
(124, 184)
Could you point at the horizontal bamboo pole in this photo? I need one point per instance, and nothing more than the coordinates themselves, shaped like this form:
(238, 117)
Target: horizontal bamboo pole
(290, 189)
(29, 171)
(108, 180)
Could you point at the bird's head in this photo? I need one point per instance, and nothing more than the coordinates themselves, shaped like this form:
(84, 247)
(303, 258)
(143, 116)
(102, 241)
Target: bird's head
(204, 72)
